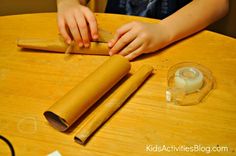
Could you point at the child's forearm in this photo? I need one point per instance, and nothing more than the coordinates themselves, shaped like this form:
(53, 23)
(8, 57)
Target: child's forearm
(193, 17)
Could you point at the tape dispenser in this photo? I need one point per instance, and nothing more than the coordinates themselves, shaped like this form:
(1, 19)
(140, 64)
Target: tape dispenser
(188, 83)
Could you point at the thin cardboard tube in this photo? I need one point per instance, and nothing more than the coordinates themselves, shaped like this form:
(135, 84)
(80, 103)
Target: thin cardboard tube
(58, 45)
(99, 47)
(68, 109)
(111, 104)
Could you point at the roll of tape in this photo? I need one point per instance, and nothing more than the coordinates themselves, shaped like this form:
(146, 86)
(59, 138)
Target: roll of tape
(188, 78)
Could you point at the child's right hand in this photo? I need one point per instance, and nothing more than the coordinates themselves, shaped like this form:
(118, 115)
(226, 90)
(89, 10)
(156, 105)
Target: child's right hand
(78, 20)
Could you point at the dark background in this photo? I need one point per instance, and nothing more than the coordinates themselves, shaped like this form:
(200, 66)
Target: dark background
(226, 26)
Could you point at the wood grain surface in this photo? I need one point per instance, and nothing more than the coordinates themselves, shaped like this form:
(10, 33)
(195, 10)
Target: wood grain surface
(30, 82)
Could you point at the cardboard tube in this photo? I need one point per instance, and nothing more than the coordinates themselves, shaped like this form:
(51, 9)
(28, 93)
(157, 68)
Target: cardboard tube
(111, 104)
(58, 45)
(68, 109)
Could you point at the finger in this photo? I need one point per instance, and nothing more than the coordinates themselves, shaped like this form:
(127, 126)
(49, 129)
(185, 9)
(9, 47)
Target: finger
(122, 42)
(90, 18)
(83, 28)
(111, 43)
(121, 31)
(135, 53)
(62, 30)
(74, 30)
(135, 44)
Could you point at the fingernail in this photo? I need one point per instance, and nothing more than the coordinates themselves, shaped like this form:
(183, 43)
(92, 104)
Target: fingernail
(109, 44)
(110, 53)
(80, 44)
(95, 37)
(86, 45)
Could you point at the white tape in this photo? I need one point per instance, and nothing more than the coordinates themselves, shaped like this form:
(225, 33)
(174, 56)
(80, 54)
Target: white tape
(188, 78)
(168, 96)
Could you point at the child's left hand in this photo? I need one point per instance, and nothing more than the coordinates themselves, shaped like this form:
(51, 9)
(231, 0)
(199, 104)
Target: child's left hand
(136, 38)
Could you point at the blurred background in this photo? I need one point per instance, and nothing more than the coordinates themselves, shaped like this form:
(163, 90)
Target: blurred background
(226, 26)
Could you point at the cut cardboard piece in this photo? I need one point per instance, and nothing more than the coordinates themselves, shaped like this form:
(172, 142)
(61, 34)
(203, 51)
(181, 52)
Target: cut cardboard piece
(98, 47)
(58, 45)
(69, 108)
(111, 104)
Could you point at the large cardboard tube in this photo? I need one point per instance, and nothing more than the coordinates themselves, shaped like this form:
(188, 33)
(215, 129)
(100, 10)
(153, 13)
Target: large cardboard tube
(68, 109)
(58, 45)
(111, 104)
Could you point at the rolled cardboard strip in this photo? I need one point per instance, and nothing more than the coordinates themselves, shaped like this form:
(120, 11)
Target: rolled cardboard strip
(58, 45)
(111, 104)
(68, 109)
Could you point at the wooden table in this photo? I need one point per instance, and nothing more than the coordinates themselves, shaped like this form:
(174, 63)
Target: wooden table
(30, 82)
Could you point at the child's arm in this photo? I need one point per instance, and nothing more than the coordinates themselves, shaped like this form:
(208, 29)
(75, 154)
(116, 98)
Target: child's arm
(135, 38)
(77, 21)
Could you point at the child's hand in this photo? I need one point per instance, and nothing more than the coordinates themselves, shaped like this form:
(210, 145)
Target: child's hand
(136, 38)
(78, 20)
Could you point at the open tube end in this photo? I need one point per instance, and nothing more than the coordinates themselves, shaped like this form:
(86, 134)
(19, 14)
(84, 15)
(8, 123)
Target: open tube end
(56, 121)
(78, 140)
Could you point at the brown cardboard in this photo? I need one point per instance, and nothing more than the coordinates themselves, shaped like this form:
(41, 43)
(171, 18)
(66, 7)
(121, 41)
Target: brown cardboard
(69, 108)
(111, 104)
(99, 47)
(58, 45)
